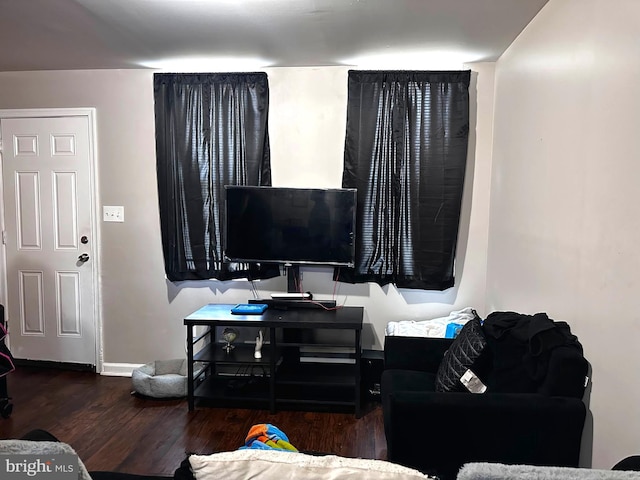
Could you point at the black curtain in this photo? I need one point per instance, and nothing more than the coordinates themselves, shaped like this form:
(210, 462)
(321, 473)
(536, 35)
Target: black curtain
(211, 131)
(405, 152)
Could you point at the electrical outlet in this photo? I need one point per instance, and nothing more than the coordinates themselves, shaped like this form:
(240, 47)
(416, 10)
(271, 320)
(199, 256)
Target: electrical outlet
(112, 214)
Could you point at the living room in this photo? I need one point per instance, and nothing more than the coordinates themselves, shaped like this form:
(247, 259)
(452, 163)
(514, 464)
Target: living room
(543, 224)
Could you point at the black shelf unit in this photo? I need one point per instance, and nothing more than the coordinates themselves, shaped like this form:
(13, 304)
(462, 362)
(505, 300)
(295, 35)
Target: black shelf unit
(320, 373)
(230, 391)
(240, 354)
(311, 360)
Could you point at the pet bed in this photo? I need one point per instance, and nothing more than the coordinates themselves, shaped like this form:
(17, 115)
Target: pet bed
(161, 379)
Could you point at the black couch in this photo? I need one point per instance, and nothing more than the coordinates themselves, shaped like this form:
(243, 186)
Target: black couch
(532, 412)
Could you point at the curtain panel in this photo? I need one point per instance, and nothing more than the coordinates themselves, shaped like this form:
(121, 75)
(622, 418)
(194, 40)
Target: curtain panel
(211, 131)
(405, 152)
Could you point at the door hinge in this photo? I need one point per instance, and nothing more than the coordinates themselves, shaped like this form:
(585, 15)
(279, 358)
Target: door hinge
(4, 237)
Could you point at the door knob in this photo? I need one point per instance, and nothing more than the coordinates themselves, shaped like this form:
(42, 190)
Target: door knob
(84, 257)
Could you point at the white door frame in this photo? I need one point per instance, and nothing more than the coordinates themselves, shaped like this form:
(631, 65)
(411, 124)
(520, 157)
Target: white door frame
(90, 114)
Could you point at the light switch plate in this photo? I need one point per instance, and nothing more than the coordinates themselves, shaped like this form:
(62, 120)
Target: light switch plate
(112, 214)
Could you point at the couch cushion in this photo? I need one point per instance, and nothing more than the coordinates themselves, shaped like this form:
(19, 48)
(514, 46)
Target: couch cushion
(467, 352)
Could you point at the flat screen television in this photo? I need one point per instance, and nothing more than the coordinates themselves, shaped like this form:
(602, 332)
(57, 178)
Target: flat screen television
(295, 226)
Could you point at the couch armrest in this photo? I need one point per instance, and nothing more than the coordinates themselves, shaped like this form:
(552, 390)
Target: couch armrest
(414, 353)
(439, 432)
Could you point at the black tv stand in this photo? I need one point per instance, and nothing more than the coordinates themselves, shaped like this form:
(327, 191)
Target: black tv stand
(310, 359)
(286, 304)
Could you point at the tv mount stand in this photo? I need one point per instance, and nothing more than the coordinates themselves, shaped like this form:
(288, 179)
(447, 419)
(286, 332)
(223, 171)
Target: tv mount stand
(293, 278)
(294, 298)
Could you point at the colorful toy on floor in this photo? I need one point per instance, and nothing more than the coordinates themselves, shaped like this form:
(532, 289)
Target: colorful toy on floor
(265, 436)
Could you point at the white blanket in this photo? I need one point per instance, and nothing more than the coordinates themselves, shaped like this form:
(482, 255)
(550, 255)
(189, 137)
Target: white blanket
(435, 327)
(280, 465)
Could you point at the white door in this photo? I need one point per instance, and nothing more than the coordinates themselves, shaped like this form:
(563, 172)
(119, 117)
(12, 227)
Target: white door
(47, 193)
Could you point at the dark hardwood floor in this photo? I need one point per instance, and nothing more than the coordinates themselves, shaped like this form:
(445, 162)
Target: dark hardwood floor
(111, 429)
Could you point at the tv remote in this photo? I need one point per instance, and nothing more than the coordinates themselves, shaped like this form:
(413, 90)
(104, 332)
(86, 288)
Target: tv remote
(292, 296)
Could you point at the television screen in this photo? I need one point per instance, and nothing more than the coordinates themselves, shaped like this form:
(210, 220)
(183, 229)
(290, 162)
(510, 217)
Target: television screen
(290, 225)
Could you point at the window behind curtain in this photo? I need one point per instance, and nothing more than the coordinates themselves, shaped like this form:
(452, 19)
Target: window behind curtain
(211, 131)
(405, 152)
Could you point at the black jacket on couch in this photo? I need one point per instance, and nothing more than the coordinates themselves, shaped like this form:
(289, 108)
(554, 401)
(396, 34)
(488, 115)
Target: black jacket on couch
(532, 412)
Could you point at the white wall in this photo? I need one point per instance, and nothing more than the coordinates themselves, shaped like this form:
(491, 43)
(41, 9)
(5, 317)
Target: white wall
(142, 312)
(564, 229)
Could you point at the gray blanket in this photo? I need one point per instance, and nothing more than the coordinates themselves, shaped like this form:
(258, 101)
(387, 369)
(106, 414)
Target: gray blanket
(26, 447)
(497, 471)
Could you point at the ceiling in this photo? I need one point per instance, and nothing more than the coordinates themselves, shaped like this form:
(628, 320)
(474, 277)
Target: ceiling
(115, 34)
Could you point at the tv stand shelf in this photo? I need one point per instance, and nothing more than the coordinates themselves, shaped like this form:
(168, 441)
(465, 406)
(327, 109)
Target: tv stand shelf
(312, 359)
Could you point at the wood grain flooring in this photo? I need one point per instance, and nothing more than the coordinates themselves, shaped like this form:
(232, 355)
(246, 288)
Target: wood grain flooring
(111, 429)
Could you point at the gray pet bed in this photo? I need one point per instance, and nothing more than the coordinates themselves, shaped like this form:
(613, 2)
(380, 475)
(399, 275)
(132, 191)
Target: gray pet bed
(161, 379)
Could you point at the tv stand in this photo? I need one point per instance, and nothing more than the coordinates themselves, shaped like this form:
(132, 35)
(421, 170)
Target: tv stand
(285, 304)
(310, 359)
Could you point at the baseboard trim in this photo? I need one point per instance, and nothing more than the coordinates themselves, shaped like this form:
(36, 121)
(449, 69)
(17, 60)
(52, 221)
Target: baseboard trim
(118, 369)
(82, 367)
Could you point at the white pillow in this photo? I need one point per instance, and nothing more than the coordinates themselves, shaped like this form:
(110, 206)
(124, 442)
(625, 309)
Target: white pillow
(280, 465)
